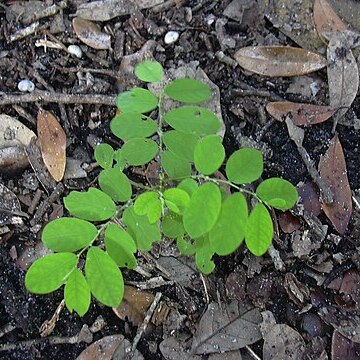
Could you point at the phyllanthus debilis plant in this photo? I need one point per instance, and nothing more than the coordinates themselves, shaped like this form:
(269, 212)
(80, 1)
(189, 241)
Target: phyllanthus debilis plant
(187, 204)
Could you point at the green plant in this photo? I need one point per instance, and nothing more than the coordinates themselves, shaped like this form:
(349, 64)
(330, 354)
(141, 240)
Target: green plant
(187, 203)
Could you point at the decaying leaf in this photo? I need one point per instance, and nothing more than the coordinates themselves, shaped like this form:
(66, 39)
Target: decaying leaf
(309, 195)
(350, 286)
(10, 208)
(326, 20)
(90, 34)
(52, 141)
(343, 348)
(134, 305)
(343, 74)
(283, 342)
(288, 222)
(300, 114)
(227, 329)
(332, 168)
(279, 60)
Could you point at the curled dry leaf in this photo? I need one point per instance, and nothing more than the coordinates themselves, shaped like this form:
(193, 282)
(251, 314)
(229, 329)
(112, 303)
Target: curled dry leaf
(279, 60)
(300, 114)
(326, 20)
(90, 34)
(52, 141)
(343, 74)
(332, 168)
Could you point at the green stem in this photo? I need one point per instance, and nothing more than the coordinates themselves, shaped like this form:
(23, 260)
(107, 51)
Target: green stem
(140, 186)
(160, 134)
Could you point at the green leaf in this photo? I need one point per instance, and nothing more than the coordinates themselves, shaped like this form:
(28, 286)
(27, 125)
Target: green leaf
(176, 200)
(132, 125)
(104, 155)
(209, 154)
(120, 160)
(116, 184)
(172, 225)
(104, 277)
(68, 234)
(188, 91)
(181, 144)
(139, 151)
(120, 246)
(77, 293)
(93, 205)
(189, 185)
(155, 211)
(203, 210)
(139, 227)
(149, 71)
(244, 166)
(259, 230)
(186, 248)
(143, 201)
(136, 100)
(50, 272)
(278, 193)
(229, 231)
(193, 120)
(174, 166)
(203, 256)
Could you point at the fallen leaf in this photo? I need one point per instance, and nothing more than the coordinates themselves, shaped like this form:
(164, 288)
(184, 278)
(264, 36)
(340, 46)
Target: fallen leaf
(283, 342)
(300, 114)
(108, 9)
(350, 286)
(279, 60)
(326, 20)
(343, 75)
(10, 208)
(173, 349)
(13, 159)
(309, 195)
(332, 168)
(288, 222)
(134, 305)
(343, 348)
(230, 328)
(90, 34)
(52, 141)
(31, 253)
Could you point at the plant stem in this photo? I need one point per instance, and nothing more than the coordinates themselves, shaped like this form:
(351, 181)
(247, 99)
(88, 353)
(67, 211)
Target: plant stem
(160, 134)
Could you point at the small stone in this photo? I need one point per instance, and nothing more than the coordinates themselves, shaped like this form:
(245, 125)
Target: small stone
(75, 50)
(26, 86)
(171, 37)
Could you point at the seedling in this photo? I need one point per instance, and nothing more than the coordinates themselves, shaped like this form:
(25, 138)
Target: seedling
(188, 202)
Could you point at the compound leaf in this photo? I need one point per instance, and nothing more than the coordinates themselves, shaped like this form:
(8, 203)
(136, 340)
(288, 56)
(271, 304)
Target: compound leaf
(50, 272)
(174, 166)
(155, 211)
(185, 247)
(188, 91)
(120, 160)
(203, 210)
(209, 154)
(132, 125)
(139, 151)
(136, 100)
(143, 201)
(104, 155)
(278, 193)
(176, 200)
(77, 293)
(203, 255)
(193, 120)
(229, 231)
(172, 225)
(189, 185)
(149, 71)
(259, 230)
(92, 205)
(116, 184)
(120, 246)
(181, 144)
(244, 166)
(104, 277)
(68, 234)
(139, 227)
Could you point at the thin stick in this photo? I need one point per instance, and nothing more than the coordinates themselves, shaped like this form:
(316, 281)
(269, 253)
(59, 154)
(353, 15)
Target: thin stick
(60, 98)
(252, 353)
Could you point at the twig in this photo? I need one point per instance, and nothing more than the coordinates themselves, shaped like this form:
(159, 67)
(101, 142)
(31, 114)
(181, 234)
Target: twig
(167, 5)
(252, 353)
(60, 98)
(205, 289)
(49, 11)
(48, 326)
(20, 34)
(6, 329)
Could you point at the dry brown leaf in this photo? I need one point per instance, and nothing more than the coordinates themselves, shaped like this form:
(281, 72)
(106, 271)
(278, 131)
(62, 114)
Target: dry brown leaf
(326, 20)
(343, 74)
(300, 114)
(332, 168)
(279, 60)
(288, 222)
(309, 195)
(90, 34)
(134, 305)
(343, 348)
(52, 139)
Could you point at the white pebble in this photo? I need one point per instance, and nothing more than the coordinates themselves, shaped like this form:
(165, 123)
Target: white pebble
(171, 37)
(26, 86)
(75, 50)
